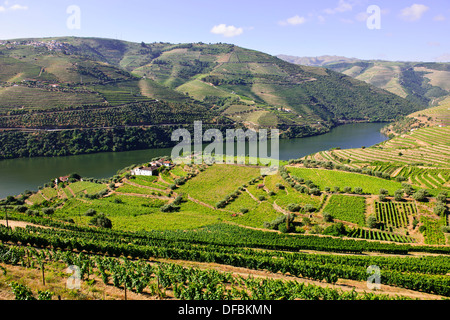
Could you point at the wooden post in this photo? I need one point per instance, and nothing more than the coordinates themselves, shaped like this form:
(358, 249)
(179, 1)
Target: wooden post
(43, 273)
(288, 217)
(125, 286)
(6, 216)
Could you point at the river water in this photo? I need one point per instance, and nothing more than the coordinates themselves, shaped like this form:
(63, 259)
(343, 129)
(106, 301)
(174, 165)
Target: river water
(18, 175)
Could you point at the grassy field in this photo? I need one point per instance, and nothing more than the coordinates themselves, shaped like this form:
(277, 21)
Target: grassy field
(347, 208)
(331, 179)
(36, 98)
(217, 181)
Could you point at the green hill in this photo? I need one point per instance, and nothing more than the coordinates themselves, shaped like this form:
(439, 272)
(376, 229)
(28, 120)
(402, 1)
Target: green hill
(418, 82)
(108, 83)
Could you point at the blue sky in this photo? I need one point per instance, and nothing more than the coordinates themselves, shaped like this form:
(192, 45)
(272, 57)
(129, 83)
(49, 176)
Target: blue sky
(416, 30)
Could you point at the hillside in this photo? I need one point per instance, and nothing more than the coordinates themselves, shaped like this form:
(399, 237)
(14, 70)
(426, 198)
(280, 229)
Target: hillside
(71, 83)
(419, 82)
(224, 232)
(418, 153)
(320, 61)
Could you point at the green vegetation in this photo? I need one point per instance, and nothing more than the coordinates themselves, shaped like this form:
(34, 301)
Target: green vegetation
(347, 208)
(92, 83)
(327, 178)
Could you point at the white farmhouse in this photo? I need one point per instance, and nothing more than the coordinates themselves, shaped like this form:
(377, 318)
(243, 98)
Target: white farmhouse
(145, 171)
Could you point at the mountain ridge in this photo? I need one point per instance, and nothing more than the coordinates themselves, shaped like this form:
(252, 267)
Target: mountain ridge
(421, 82)
(101, 83)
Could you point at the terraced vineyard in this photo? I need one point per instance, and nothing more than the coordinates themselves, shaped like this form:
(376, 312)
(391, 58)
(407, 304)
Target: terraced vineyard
(395, 214)
(379, 235)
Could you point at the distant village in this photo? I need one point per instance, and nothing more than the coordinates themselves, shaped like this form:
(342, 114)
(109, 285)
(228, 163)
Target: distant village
(50, 45)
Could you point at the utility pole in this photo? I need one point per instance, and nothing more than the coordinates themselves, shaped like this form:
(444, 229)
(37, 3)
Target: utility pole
(6, 216)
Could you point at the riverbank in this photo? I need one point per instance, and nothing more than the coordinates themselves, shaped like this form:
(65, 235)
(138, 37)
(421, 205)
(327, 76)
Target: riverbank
(23, 174)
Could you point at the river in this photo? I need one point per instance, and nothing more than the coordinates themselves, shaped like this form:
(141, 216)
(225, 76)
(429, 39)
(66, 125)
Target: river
(18, 175)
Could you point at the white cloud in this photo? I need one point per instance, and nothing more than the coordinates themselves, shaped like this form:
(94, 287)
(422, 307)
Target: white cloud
(15, 7)
(293, 21)
(439, 17)
(18, 7)
(227, 31)
(414, 13)
(321, 19)
(342, 6)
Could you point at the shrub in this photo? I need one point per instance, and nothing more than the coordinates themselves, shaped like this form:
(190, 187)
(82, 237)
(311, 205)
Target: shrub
(420, 195)
(274, 225)
(309, 208)
(244, 210)
(337, 230)
(382, 198)
(315, 191)
(178, 200)
(32, 213)
(169, 208)
(261, 198)
(48, 211)
(384, 191)
(101, 221)
(372, 222)
(440, 209)
(21, 292)
(445, 229)
(282, 228)
(327, 217)
(221, 204)
(293, 207)
(442, 197)
(347, 190)
(306, 221)
(90, 213)
(22, 209)
(398, 196)
(358, 190)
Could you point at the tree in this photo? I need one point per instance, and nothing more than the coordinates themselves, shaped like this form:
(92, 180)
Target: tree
(328, 217)
(420, 195)
(442, 197)
(398, 196)
(90, 213)
(440, 209)
(315, 191)
(101, 221)
(48, 211)
(294, 207)
(372, 222)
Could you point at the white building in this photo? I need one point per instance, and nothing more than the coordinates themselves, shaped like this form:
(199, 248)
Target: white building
(145, 171)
